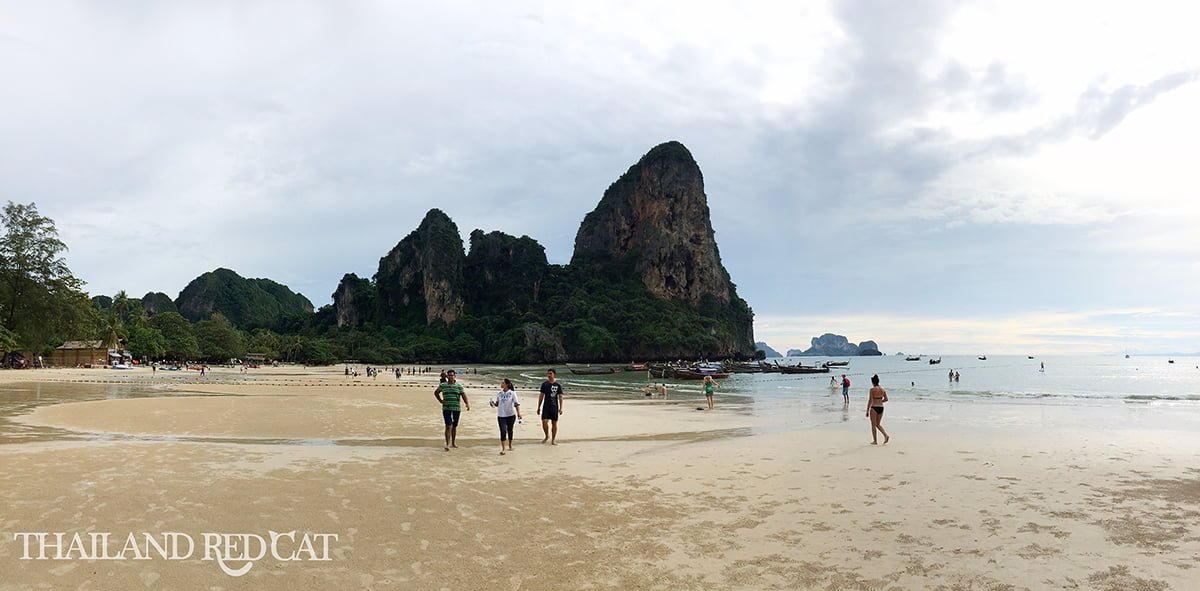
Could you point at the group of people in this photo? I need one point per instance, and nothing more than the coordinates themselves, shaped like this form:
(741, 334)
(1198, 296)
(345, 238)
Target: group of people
(953, 375)
(710, 386)
(450, 394)
(453, 399)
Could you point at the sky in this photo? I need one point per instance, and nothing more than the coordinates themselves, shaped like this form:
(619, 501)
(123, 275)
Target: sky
(940, 177)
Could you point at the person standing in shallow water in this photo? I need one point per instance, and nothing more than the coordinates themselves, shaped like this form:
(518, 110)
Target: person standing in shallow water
(450, 394)
(875, 401)
(845, 389)
(550, 407)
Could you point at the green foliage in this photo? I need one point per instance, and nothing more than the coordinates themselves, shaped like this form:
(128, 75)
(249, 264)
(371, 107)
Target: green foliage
(156, 302)
(8, 340)
(264, 342)
(246, 303)
(218, 339)
(145, 341)
(40, 300)
(181, 344)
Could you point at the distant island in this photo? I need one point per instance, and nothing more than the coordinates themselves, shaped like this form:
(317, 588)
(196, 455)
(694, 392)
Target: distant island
(835, 345)
(765, 348)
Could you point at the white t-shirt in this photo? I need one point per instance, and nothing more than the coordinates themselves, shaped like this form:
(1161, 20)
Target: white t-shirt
(506, 402)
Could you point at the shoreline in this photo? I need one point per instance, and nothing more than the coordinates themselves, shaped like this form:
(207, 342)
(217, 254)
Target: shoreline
(637, 495)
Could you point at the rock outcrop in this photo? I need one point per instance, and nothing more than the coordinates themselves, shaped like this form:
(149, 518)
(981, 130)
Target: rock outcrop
(157, 302)
(421, 279)
(247, 303)
(765, 348)
(657, 215)
(654, 221)
(868, 349)
(353, 301)
(836, 345)
(505, 272)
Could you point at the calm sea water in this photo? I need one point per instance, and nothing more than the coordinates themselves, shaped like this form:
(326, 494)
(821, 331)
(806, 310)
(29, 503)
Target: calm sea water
(1140, 392)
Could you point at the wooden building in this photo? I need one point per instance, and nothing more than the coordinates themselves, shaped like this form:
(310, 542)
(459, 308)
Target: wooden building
(80, 353)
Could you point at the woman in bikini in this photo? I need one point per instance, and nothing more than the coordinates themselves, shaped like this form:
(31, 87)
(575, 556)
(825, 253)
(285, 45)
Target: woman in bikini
(875, 400)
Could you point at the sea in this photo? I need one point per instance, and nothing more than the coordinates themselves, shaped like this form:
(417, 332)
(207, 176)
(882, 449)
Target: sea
(1150, 392)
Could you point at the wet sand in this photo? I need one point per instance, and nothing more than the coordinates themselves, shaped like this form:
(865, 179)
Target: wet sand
(638, 495)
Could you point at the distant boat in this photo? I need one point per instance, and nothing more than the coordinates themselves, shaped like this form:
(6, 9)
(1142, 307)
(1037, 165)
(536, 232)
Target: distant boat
(835, 364)
(124, 366)
(1127, 355)
(983, 357)
(1170, 361)
(802, 369)
(588, 371)
(935, 361)
(1031, 356)
(913, 358)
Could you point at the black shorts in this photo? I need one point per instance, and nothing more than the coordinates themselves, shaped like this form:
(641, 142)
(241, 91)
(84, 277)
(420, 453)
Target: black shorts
(549, 413)
(451, 417)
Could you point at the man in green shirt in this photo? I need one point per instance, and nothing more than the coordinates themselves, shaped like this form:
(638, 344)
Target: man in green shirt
(450, 394)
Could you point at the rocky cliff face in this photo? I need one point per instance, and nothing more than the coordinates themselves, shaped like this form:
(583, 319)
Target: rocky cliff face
(656, 216)
(505, 272)
(655, 221)
(421, 279)
(765, 348)
(353, 301)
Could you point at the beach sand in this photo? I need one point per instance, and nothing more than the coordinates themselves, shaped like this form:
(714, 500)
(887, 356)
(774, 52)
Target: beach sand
(638, 495)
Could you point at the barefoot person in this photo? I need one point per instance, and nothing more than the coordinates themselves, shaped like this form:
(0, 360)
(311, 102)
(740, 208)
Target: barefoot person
(508, 410)
(550, 407)
(450, 394)
(845, 389)
(709, 386)
(875, 401)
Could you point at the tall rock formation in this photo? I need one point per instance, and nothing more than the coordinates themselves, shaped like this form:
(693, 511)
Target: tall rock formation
(505, 272)
(655, 221)
(836, 345)
(656, 217)
(421, 279)
(353, 301)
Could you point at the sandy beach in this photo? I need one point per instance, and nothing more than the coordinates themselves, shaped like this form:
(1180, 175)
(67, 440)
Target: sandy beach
(638, 495)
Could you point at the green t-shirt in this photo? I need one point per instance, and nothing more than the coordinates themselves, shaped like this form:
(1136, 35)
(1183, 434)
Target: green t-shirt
(708, 389)
(451, 396)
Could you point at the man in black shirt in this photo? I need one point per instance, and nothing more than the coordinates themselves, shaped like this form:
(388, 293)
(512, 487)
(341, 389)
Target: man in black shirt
(550, 406)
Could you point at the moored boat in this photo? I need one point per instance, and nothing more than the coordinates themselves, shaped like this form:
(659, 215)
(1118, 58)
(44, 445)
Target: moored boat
(935, 361)
(589, 371)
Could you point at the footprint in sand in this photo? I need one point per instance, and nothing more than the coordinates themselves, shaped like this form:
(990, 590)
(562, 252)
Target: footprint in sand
(424, 544)
(406, 526)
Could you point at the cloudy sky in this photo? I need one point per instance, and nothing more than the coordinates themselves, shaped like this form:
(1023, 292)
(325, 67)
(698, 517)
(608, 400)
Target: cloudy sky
(940, 177)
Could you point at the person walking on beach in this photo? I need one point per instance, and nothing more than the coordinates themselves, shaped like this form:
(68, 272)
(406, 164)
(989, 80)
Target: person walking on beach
(875, 401)
(845, 389)
(450, 394)
(550, 407)
(709, 386)
(508, 410)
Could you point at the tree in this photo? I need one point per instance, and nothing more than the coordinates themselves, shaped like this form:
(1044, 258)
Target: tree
(147, 342)
(218, 339)
(180, 342)
(40, 300)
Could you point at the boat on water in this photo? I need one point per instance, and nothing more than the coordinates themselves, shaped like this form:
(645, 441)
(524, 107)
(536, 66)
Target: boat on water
(635, 367)
(913, 358)
(591, 371)
(692, 374)
(935, 361)
(1030, 356)
(125, 366)
(835, 364)
(1170, 361)
(983, 357)
(802, 369)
